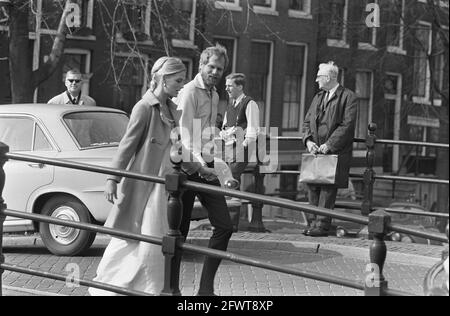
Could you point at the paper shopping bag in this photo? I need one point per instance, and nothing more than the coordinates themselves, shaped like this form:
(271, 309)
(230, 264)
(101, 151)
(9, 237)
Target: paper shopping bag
(318, 169)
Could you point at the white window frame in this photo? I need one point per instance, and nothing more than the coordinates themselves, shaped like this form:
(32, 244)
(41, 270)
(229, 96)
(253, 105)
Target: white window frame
(426, 99)
(264, 10)
(145, 57)
(399, 49)
(4, 27)
(342, 43)
(190, 42)
(190, 69)
(119, 37)
(303, 91)
(398, 104)
(424, 122)
(89, 23)
(269, 81)
(235, 46)
(441, 3)
(86, 72)
(302, 14)
(232, 6)
(372, 45)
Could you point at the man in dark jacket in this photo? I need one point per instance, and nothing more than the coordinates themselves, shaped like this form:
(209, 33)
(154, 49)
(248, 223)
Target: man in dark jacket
(329, 128)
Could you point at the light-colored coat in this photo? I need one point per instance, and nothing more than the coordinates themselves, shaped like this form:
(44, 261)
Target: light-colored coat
(141, 150)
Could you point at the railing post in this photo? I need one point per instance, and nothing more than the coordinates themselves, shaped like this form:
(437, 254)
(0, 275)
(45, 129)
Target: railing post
(430, 288)
(375, 284)
(3, 150)
(369, 174)
(256, 224)
(172, 254)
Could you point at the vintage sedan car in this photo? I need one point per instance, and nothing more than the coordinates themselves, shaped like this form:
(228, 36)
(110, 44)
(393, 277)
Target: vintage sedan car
(76, 133)
(403, 213)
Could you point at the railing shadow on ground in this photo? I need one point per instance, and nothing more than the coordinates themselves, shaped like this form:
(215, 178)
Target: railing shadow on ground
(173, 243)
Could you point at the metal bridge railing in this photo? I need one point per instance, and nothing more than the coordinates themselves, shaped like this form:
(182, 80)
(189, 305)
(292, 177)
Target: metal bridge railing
(173, 243)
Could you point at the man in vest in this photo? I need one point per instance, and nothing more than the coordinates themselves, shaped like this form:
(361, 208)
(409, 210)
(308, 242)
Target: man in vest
(240, 125)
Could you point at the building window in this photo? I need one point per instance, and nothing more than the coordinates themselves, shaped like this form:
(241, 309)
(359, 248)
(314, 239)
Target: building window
(134, 17)
(293, 87)
(422, 160)
(78, 59)
(364, 93)
(393, 12)
(132, 76)
(183, 24)
(230, 45)
(269, 4)
(258, 79)
(422, 48)
(189, 68)
(438, 67)
(366, 35)
(4, 18)
(337, 23)
(300, 8)
(391, 125)
(289, 182)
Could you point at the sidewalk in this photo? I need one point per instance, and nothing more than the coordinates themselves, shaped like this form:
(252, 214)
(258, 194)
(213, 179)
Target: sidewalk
(405, 268)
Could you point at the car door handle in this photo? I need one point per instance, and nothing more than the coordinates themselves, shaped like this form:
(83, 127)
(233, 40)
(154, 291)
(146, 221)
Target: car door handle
(36, 165)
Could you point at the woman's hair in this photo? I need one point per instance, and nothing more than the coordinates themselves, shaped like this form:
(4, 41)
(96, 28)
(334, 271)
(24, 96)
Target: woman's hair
(331, 68)
(165, 66)
(238, 78)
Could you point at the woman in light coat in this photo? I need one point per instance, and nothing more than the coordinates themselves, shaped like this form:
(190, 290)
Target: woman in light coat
(141, 206)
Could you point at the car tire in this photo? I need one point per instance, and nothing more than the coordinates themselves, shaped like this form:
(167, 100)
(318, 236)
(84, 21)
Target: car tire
(62, 240)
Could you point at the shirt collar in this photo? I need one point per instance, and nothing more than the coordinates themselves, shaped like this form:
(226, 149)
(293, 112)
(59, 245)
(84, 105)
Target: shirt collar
(199, 83)
(150, 97)
(332, 91)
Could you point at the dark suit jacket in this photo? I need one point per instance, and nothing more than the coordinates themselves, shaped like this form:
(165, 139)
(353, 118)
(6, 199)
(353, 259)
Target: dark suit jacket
(336, 128)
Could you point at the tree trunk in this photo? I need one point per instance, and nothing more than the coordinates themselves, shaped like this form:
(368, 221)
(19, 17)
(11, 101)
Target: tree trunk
(20, 61)
(442, 161)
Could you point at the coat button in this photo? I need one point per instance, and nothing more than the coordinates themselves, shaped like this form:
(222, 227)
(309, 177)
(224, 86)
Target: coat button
(153, 140)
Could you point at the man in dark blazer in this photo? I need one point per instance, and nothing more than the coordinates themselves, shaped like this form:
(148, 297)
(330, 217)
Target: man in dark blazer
(329, 128)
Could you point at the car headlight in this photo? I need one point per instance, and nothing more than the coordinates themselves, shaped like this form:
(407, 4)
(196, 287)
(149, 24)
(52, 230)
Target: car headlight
(341, 232)
(396, 237)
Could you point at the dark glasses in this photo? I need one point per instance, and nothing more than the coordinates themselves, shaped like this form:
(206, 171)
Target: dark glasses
(74, 80)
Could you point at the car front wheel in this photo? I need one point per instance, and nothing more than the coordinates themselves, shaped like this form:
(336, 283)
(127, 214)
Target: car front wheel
(63, 240)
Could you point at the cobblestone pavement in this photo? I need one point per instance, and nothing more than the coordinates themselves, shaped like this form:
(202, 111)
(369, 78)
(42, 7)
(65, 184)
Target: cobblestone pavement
(405, 268)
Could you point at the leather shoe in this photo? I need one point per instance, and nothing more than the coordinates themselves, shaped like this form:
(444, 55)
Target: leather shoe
(317, 232)
(306, 232)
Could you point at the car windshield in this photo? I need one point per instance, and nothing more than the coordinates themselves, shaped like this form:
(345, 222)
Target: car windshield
(96, 129)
